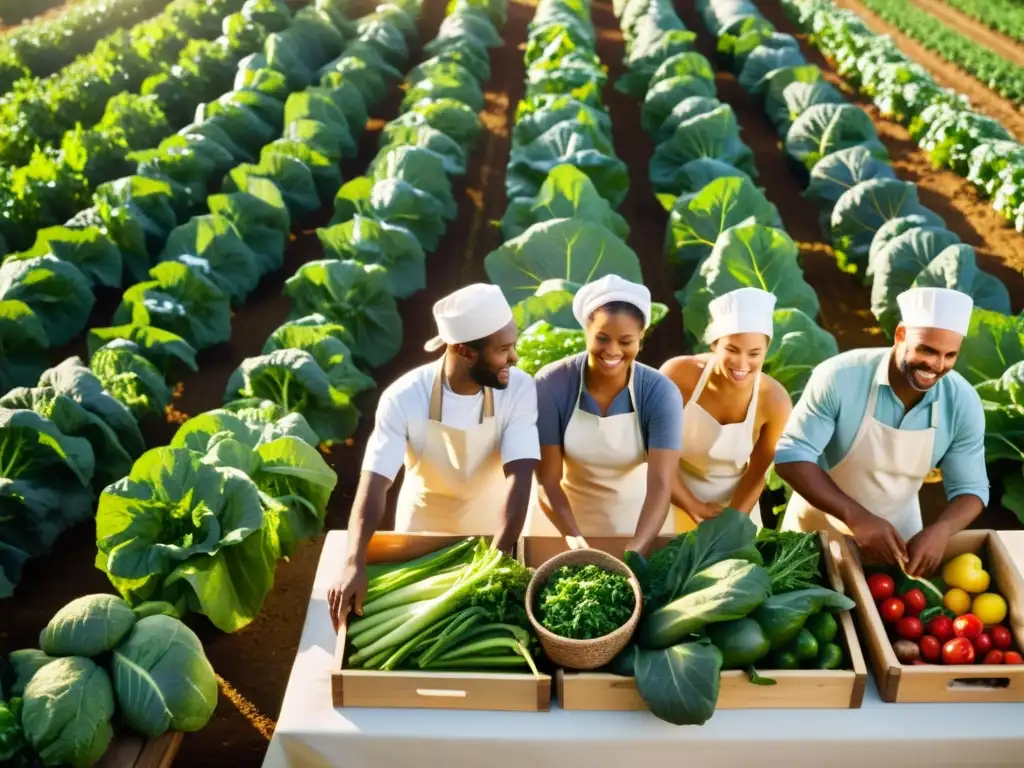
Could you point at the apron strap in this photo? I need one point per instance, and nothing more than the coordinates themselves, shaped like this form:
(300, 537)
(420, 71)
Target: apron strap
(701, 382)
(869, 411)
(934, 424)
(437, 391)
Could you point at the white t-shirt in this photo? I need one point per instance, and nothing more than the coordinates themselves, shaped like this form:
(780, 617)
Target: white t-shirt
(404, 409)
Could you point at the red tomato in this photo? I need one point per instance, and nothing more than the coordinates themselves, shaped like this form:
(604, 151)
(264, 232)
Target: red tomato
(881, 586)
(958, 651)
(1001, 638)
(967, 625)
(931, 648)
(1012, 657)
(941, 627)
(993, 657)
(982, 643)
(891, 609)
(909, 627)
(915, 601)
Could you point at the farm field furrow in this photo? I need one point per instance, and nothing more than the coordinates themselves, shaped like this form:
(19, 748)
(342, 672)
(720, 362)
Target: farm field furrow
(965, 210)
(1003, 16)
(1007, 48)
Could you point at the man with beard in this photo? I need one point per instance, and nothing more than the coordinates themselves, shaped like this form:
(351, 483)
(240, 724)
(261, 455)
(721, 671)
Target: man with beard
(465, 428)
(872, 424)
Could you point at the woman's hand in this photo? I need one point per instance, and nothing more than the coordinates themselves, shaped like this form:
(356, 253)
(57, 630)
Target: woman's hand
(705, 510)
(576, 542)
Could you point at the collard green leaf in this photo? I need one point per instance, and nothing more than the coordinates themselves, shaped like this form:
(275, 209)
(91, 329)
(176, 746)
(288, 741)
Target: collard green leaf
(325, 170)
(862, 210)
(834, 174)
(725, 591)
(423, 136)
(713, 135)
(993, 343)
(66, 735)
(163, 679)
(138, 215)
(26, 662)
(827, 128)
(319, 105)
(748, 256)
(798, 345)
(680, 684)
(88, 249)
(567, 249)
(897, 265)
(662, 98)
(131, 378)
(1003, 400)
(766, 58)
(176, 525)
(355, 296)
(441, 85)
(697, 220)
(261, 218)
(212, 245)
(566, 193)
(421, 169)
(956, 268)
(395, 202)
(688, 63)
(292, 177)
(179, 299)
(328, 343)
(160, 347)
(74, 379)
(782, 616)
(56, 291)
(87, 626)
(294, 380)
(251, 427)
(392, 247)
(537, 115)
(690, 107)
(23, 345)
(893, 228)
(572, 142)
(450, 116)
(34, 450)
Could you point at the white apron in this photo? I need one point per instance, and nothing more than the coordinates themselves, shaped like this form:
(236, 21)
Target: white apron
(883, 471)
(604, 473)
(715, 456)
(457, 484)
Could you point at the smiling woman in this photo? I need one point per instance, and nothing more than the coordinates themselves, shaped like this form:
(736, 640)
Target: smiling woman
(610, 428)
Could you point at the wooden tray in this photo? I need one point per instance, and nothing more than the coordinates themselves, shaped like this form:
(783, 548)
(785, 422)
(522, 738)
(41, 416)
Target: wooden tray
(508, 691)
(935, 682)
(132, 750)
(794, 688)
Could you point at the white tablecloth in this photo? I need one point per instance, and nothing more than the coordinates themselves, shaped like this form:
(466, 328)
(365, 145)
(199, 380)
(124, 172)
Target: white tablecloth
(312, 734)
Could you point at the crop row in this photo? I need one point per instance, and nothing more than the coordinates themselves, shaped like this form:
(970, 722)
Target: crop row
(940, 120)
(40, 48)
(1002, 76)
(1006, 16)
(878, 228)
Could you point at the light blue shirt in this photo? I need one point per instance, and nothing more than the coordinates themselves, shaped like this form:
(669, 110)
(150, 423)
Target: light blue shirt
(828, 415)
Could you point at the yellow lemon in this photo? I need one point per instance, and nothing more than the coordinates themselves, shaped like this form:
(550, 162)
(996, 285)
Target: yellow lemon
(957, 601)
(990, 608)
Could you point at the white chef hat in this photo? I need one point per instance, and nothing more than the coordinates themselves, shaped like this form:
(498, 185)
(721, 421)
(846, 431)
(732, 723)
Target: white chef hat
(936, 308)
(471, 313)
(745, 310)
(609, 288)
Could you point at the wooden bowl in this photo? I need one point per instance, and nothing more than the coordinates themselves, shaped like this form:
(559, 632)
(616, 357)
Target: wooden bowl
(583, 654)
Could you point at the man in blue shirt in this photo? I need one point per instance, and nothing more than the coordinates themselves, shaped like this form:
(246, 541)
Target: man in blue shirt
(871, 425)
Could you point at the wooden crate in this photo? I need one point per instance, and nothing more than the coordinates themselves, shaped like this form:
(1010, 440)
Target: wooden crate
(794, 688)
(507, 691)
(935, 682)
(132, 750)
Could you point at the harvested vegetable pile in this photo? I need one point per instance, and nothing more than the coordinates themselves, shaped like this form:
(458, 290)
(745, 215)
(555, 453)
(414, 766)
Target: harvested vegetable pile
(101, 663)
(583, 602)
(711, 603)
(462, 607)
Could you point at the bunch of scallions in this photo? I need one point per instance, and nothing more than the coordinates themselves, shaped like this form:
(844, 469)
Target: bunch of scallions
(460, 608)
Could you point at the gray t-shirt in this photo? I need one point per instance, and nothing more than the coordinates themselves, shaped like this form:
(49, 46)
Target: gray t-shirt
(658, 401)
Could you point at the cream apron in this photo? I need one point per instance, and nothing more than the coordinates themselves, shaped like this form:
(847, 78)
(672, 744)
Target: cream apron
(604, 473)
(715, 456)
(883, 471)
(457, 484)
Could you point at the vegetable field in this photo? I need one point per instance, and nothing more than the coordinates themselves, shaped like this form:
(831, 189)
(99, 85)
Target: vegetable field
(226, 222)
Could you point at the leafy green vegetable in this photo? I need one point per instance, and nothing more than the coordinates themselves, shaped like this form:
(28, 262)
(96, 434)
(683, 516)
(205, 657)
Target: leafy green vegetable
(162, 678)
(67, 709)
(798, 345)
(994, 342)
(131, 378)
(541, 344)
(679, 684)
(714, 135)
(783, 615)
(56, 291)
(742, 642)
(792, 558)
(328, 343)
(827, 128)
(23, 344)
(584, 602)
(87, 626)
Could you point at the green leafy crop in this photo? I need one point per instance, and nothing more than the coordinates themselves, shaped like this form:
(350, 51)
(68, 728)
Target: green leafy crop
(584, 602)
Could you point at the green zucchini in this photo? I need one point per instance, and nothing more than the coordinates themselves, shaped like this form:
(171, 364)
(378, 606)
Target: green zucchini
(824, 627)
(742, 642)
(830, 657)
